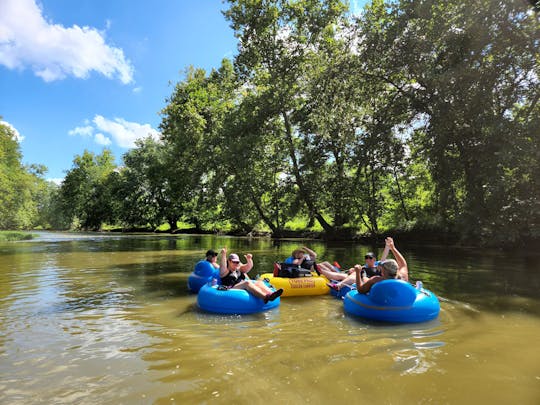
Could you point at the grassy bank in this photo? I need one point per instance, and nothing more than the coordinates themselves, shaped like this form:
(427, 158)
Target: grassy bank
(10, 236)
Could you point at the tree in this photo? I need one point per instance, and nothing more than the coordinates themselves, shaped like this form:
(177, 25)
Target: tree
(50, 213)
(191, 127)
(475, 72)
(253, 157)
(276, 40)
(17, 183)
(85, 195)
(142, 187)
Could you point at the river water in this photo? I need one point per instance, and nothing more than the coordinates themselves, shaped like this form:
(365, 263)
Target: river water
(98, 318)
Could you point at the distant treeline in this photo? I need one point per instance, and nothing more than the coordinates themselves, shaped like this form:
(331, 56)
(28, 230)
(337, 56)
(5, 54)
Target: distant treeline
(417, 116)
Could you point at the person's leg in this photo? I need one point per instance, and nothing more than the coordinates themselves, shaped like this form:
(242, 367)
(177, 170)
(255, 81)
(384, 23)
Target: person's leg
(264, 288)
(257, 291)
(328, 271)
(349, 280)
(249, 287)
(270, 295)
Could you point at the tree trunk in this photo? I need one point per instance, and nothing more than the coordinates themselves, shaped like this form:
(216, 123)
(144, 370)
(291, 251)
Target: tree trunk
(400, 194)
(304, 192)
(259, 209)
(172, 223)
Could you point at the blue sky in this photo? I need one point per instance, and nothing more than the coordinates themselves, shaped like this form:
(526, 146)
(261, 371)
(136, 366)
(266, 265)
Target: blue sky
(89, 74)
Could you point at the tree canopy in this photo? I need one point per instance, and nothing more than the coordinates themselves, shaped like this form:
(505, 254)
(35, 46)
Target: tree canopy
(414, 116)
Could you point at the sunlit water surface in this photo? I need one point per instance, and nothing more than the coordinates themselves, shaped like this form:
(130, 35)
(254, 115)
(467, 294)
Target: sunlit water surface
(108, 319)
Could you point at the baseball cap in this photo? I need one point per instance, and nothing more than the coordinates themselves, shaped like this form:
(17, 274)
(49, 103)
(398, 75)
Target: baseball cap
(234, 257)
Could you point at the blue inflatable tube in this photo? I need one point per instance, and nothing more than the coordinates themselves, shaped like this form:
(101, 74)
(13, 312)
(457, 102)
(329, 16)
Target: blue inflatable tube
(343, 291)
(393, 301)
(203, 273)
(233, 301)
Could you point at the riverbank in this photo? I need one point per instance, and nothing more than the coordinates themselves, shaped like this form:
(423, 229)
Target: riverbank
(11, 236)
(420, 236)
(344, 235)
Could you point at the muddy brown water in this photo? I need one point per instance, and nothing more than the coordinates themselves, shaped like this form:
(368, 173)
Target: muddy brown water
(97, 318)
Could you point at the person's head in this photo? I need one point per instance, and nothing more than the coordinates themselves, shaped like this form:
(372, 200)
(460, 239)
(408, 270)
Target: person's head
(211, 255)
(370, 259)
(388, 268)
(297, 254)
(234, 260)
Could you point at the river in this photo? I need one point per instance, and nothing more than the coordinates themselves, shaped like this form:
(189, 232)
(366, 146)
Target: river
(105, 318)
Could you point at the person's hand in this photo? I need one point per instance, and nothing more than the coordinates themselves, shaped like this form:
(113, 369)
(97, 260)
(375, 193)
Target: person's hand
(248, 256)
(224, 251)
(357, 269)
(389, 242)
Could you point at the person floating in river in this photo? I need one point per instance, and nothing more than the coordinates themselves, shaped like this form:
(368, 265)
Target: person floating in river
(233, 274)
(389, 268)
(301, 257)
(211, 257)
(369, 269)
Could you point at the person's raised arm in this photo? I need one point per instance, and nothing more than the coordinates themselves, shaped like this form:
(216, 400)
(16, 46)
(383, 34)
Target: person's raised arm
(403, 269)
(223, 271)
(386, 250)
(362, 287)
(310, 252)
(357, 270)
(244, 268)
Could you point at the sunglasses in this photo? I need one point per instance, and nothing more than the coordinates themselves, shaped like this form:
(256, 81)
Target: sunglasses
(368, 257)
(235, 262)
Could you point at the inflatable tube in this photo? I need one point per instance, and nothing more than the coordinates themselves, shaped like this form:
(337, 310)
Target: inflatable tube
(343, 291)
(393, 301)
(203, 273)
(315, 285)
(231, 301)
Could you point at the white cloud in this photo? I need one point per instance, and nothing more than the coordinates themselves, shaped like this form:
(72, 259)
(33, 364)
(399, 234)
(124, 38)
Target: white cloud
(102, 139)
(53, 51)
(18, 137)
(83, 131)
(56, 180)
(137, 90)
(123, 132)
(118, 131)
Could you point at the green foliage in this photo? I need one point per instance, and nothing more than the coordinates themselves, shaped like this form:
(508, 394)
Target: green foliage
(418, 115)
(50, 213)
(85, 192)
(475, 69)
(10, 236)
(19, 185)
(191, 131)
(142, 194)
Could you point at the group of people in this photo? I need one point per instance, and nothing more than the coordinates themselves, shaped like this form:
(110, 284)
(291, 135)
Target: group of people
(371, 272)
(233, 273)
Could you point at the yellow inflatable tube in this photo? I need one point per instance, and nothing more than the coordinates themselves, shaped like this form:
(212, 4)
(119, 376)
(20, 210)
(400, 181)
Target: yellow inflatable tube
(315, 285)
